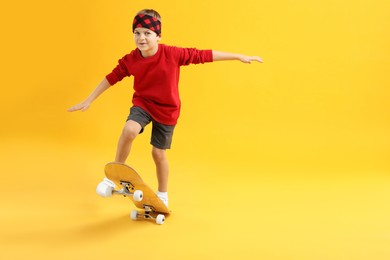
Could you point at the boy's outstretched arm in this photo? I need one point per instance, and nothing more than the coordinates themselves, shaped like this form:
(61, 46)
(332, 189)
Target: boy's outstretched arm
(103, 86)
(218, 55)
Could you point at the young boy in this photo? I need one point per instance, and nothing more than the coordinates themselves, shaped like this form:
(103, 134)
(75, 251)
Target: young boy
(156, 69)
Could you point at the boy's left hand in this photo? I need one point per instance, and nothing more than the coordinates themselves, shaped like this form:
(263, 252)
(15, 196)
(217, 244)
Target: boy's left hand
(249, 59)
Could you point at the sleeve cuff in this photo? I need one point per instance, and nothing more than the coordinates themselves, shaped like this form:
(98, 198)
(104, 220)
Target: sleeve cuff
(112, 78)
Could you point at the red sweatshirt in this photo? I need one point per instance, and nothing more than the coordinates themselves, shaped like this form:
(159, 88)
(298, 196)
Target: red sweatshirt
(156, 79)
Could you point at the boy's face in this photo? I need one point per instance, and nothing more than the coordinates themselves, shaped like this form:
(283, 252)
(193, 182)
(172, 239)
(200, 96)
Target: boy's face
(146, 41)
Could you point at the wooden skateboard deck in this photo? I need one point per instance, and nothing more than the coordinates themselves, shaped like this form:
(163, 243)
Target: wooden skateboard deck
(125, 176)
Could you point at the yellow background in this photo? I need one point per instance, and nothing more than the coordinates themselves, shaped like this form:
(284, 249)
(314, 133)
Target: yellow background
(283, 160)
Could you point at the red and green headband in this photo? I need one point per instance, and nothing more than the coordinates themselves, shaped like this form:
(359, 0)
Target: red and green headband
(148, 22)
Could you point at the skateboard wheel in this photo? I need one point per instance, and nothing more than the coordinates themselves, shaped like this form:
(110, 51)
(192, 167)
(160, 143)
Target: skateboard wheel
(104, 190)
(160, 219)
(134, 214)
(138, 195)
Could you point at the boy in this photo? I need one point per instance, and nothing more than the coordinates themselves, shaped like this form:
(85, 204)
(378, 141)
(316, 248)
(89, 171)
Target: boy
(156, 69)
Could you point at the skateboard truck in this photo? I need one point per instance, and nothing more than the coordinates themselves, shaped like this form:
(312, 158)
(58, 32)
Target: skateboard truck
(128, 190)
(107, 188)
(147, 214)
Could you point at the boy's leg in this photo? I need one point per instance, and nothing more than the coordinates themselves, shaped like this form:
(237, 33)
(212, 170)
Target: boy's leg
(162, 168)
(129, 133)
(161, 140)
(136, 121)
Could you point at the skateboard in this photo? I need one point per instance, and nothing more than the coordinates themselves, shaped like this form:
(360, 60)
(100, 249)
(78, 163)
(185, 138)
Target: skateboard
(133, 187)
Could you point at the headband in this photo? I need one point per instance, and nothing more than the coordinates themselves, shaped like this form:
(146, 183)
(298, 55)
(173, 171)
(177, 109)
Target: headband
(148, 22)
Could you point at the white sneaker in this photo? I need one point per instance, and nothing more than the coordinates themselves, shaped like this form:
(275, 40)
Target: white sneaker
(163, 196)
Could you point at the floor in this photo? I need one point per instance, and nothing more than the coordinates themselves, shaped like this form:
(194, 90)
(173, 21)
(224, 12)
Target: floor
(227, 211)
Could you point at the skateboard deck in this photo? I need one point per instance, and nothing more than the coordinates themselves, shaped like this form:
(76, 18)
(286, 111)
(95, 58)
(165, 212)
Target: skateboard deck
(131, 182)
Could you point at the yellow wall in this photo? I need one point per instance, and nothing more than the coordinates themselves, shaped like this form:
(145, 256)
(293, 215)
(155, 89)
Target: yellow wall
(320, 98)
(307, 131)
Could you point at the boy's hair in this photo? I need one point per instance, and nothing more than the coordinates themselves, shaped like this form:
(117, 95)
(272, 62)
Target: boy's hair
(150, 12)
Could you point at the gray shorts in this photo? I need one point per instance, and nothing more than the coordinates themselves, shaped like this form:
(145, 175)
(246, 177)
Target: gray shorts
(161, 134)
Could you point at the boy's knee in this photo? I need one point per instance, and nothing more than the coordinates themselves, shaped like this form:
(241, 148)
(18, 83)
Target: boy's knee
(130, 131)
(158, 154)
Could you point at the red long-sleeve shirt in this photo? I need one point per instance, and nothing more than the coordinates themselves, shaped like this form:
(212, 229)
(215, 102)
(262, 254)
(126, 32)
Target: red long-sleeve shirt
(156, 79)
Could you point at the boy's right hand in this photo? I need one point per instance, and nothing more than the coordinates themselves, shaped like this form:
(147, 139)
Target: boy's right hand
(103, 85)
(82, 106)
